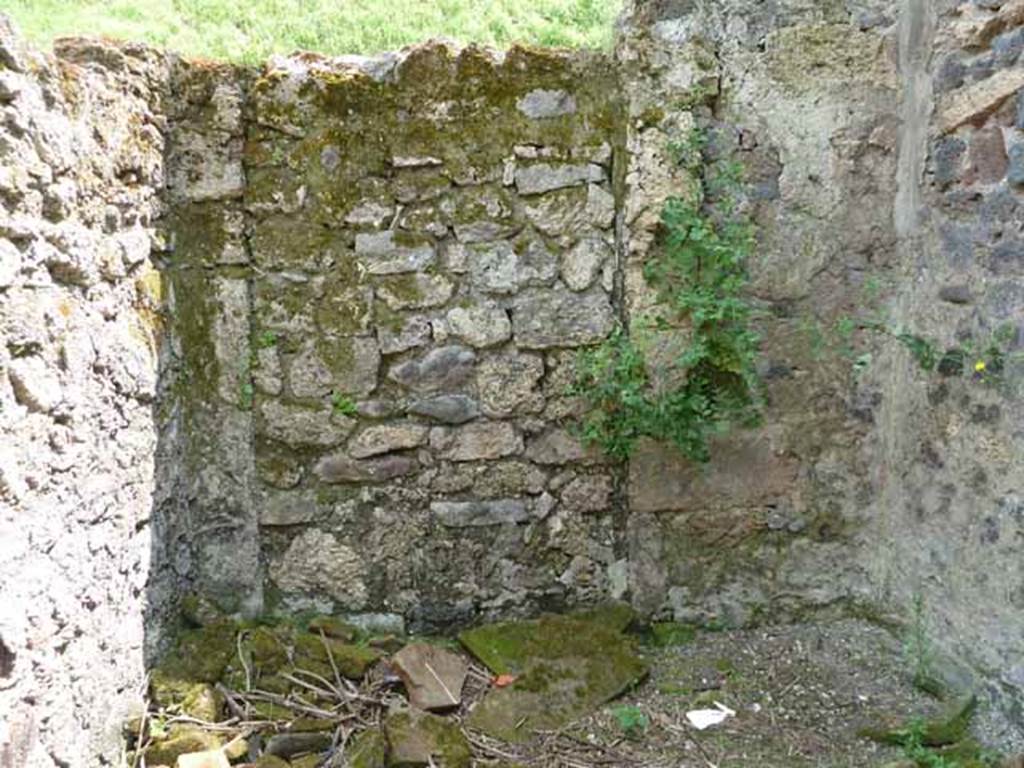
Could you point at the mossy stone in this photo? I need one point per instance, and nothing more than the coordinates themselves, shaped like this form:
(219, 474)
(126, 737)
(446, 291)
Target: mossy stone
(276, 683)
(198, 611)
(352, 661)
(180, 741)
(417, 738)
(801, 56)
(967, 754)
(194, 324)
(200, 655)
(616, 614)
(949, 727)
(199, 700)
(307, 761)
(564, 668)
(236, 749)
(270, 761)
(333, 627)
(266, 649)
(368, 750)
(387, 643)
(268, 711)
(312, 725)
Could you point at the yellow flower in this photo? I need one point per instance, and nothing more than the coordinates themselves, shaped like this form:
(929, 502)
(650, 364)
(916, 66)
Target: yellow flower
(980, 366)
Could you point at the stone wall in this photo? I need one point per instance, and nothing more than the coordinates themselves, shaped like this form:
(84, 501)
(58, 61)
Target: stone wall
(81, 169)
(379, 298)
(951, 516)
(801, 95)
(884, 148)
(377, 274)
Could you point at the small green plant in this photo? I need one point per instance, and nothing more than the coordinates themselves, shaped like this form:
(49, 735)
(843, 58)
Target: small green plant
(914, 748)
(246, 395)
(862, 363)
(688, 151)
(697, 95)
(158, 728)
(964, 754)
(710, 383)
(816, 336)
(343, 405)
(266, 340)
(984, 362)
(633, 722)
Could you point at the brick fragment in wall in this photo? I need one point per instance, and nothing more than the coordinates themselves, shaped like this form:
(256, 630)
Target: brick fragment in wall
(987, 157)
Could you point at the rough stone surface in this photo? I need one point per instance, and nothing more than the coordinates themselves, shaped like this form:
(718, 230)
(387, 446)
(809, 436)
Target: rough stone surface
(1015, 174)
(470, 514)
(297, 426)
(543, 177)
(588, 494)
(317, 561)
(478, 441)
(87, 480)
(342, 469)
(440, 369)
(381, 255)
(978, 101)
(385, 439)
(509, 385)
(581, 265)
(417, 738)
(433, 677)
(481, 326)
(560, 318)
(410, 334)
(450, 409)
(541, 103)
(556, 446)
(417, 291)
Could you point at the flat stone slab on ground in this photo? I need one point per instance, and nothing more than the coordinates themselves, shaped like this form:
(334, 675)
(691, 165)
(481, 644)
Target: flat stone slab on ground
(564, 667)
(433, 677)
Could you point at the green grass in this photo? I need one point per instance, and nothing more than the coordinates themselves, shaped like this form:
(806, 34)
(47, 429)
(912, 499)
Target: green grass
(251, 30)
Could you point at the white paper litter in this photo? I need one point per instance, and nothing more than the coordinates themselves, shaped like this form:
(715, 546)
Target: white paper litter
(706, 718)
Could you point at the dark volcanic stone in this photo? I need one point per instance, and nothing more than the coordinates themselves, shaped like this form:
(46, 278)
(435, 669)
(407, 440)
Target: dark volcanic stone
(449, 409)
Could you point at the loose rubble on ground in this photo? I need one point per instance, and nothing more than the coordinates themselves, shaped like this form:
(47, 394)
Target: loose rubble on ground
(591, 688)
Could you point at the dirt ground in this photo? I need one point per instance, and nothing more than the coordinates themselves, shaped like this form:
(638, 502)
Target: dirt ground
(800, 694)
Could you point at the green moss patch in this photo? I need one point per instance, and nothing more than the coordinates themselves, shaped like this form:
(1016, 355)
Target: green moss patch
(947, 728)
(180, 741)
(198, 700)
(666, 634)
(368, 750)
(200, 655)
(419, 738)
(616, 615)
(564, 667)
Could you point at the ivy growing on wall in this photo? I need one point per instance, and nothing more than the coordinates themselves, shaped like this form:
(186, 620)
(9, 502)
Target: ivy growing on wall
(703, 322)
